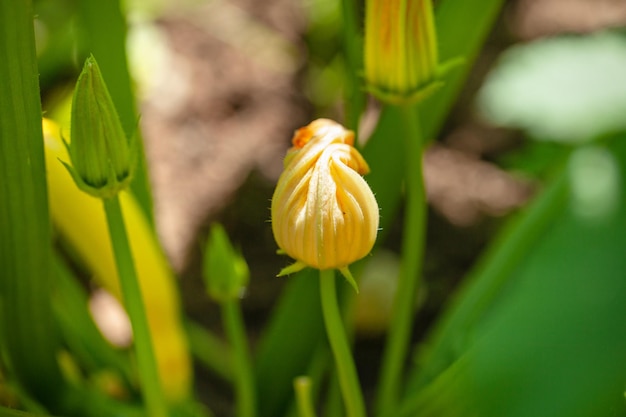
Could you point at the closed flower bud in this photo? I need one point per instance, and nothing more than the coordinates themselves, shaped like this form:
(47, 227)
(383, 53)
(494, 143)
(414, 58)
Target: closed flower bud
(401, 58)
(225, 270)
(101, 155)
(324, 215)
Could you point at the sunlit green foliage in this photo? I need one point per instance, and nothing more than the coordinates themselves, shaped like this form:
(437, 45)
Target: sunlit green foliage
(535, 327)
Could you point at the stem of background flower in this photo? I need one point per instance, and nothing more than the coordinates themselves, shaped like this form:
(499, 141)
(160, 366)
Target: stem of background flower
(348, 377)
(131, 293)
(244, 381)
(302, 386)
(412, 256)
(354, 95)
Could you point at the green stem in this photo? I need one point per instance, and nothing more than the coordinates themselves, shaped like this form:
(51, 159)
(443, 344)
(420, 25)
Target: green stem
(246, 394)
(348, 378)
(353, 53)
(410, 269)
(29, 341)
(302, 386)
(131, 293)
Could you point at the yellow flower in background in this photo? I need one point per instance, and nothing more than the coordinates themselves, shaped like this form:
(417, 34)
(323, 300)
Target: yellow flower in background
(401, 58)
(324, 215)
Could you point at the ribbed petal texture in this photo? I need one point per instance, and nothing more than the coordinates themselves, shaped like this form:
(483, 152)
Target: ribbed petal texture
(323, 212)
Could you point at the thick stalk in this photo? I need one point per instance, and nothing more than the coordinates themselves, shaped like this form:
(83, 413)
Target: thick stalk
(131, 293)
(354, 95)
(346, 369)
(28, 340)
(410, 270)
(244, 380)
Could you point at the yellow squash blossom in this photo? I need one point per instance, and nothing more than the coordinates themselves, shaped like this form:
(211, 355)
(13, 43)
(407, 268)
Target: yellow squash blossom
(401, 58)
(324, 215)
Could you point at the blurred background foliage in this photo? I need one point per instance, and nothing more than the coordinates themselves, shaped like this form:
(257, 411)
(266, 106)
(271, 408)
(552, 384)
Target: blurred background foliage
(523, 305)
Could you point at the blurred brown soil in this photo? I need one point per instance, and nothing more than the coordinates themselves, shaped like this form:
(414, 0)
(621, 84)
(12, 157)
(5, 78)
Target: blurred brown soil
(225, 108)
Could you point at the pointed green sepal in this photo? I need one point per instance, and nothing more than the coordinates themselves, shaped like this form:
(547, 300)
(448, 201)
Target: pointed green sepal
(348, 276)
(292, 269)
(419, 94)
(447, 66)
(395, 98)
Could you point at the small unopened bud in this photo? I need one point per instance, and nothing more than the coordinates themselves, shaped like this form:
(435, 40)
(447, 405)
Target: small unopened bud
(102, 159)
(225, 271)
(324, 215)
(401, 58)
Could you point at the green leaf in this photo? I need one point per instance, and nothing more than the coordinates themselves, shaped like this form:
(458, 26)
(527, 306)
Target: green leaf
(567, 89)
(80, 333)
(210, 350)
(489, 275)
(289, 342)
(9, 412)
(29, 340)
(462, 27)
(552, 341)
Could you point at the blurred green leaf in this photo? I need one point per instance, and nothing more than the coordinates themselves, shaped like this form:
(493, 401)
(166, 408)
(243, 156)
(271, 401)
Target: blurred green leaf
(80, 333)
(532, 159)
(462, 27)
(289, 342)
(384, 154)
(552, 339)
(25, 237)
(210, 350)
(595, 183)
(8, 412)
(567, 89)
(448, 339)
(555, 344)
(54, 35)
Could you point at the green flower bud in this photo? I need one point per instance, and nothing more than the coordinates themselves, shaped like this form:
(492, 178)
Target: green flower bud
(225, 271)
(102, 158)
